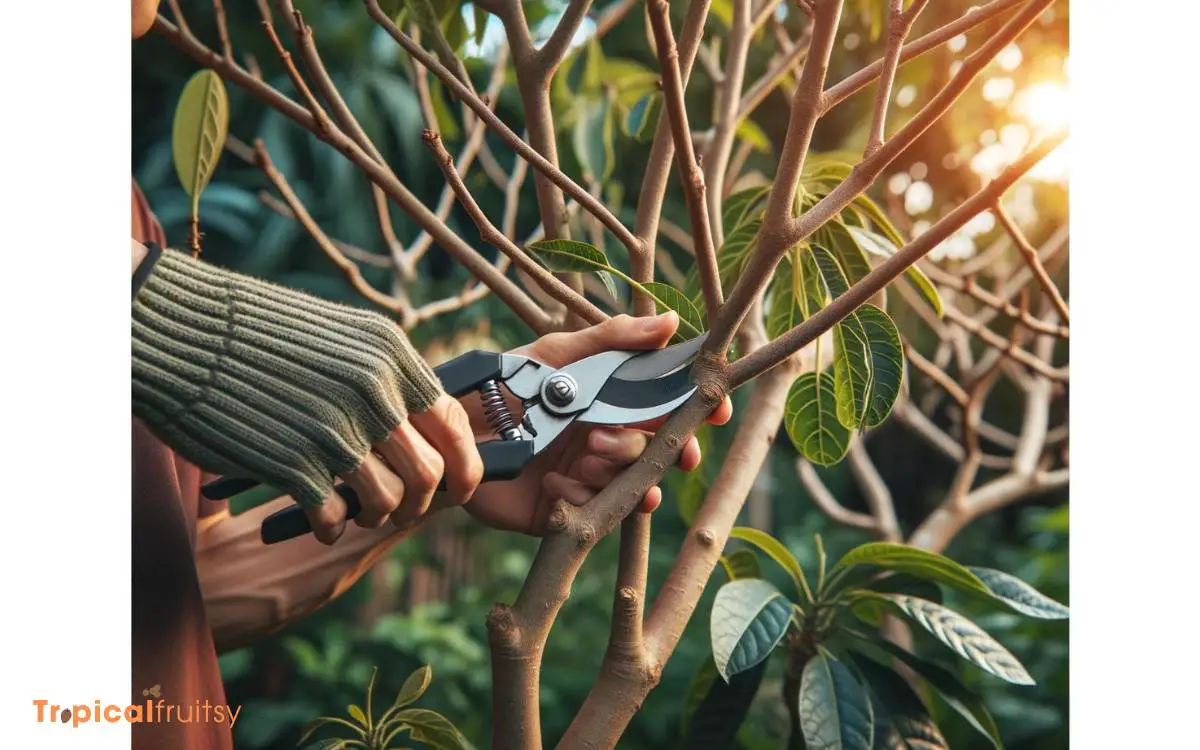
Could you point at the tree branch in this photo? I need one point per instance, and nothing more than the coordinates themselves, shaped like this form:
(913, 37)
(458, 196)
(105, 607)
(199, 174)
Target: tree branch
(827, 503)
(689, 170)
(899, 23)
(754, 364)
(716, 157)
(1031, 259)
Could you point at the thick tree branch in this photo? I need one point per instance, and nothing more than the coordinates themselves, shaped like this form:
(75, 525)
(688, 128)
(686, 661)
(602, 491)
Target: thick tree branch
(689, 170)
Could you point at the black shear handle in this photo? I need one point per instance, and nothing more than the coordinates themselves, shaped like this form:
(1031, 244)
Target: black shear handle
(502, 460)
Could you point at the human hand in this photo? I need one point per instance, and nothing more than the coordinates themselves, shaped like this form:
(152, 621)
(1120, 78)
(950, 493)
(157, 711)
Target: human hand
(586, 458)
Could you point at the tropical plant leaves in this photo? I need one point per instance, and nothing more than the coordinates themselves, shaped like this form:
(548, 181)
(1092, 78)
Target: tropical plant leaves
(414, 687)
(742, 206)
(749, 618)
(811, 419)
(901, 720)
(795, 293)
(667, 297)
(774, 549)
(962, 636)
(715, 709)
(852, 376)
(1020, 596)
(835, 710)
(198, 136)
(432, 728)
(957, 695)
(914, 561)
(735, 251)
(886, 360)
(751, 133)
(573, 256)
(885, 247)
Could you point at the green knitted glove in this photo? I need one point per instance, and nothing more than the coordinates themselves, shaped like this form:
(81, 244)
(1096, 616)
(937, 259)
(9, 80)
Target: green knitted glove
(246, 378)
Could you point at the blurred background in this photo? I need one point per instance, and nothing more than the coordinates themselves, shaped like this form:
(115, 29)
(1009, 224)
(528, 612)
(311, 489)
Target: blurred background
(426, 603)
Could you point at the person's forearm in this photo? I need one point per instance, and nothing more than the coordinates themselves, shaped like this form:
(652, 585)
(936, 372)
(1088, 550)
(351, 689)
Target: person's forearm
(251, 589)
(139, 254)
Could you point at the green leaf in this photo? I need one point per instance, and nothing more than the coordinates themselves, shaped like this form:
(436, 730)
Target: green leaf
(715, 709)
(749, 618)
(795, 293)
(774, 549)
(199, 131)
(414, 687)
(643, 117)
(957, 695)
(835, 711)
(962, 636)
(735, 251)
(358, 715)
(852, 376)
(592, 80)
(573, 256)
(481, 22)
(631, 80)
(740, 564)
(831, 272)
(667, 297)
(593, 138)
(811, 419)
(884, 247)
(839, 239)
(901, 720)
(887, 362)
(1020, 596)
(743, 206)
(918, 562)
(751, 133)
(433, 729)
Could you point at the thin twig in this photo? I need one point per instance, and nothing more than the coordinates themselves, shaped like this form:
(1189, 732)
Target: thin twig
(1031, 259)
(827, 503)
(223, 28)
(689, 171)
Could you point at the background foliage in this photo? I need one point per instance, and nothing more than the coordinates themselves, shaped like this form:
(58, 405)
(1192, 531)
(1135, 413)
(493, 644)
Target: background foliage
(323, 663)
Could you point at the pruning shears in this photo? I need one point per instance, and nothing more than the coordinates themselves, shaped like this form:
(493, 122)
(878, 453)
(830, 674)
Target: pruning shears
(618, 387)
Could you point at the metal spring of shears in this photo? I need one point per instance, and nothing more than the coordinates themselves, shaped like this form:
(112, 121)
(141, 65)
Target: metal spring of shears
(496, 411)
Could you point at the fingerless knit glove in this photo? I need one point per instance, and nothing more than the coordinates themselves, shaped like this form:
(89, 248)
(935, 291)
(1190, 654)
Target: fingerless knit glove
(246, 378)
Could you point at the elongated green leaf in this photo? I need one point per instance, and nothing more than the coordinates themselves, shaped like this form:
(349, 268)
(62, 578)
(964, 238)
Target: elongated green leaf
(643, 117)
(918, 562)
(957, 695)
(447, 122)
(741, 563)
(887, 362)
(852, 375)
(358, 715)
(962, 636)
(716, 709)
(795, 293)
(593, 137)
(811, 419)
(743, 206)
(831, 272)
(838, 238)
(573, 256)
(749, 618)
(433, 729)
(632, 80)
(322, 721)
(199, 131)
(751, 133)
(835, 711)
(667, 297)
(1020, 596)
(901, 720)
(414, 687)
(886, 246)
(775, 550)
(481, 17)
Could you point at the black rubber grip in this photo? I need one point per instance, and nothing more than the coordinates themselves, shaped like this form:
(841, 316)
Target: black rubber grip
(466, 372)
(502, 460)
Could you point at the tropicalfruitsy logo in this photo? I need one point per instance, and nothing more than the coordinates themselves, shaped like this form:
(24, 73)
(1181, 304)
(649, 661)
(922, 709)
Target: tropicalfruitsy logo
(153, 710)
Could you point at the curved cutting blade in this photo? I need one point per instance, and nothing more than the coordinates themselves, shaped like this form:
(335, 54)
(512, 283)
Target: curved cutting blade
(632, 401)
(655, 364)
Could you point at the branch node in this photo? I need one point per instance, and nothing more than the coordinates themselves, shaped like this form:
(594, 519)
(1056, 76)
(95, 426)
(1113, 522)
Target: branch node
(706, 537)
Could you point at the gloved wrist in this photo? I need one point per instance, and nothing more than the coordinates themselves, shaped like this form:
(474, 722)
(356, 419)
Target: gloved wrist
(248, 378)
